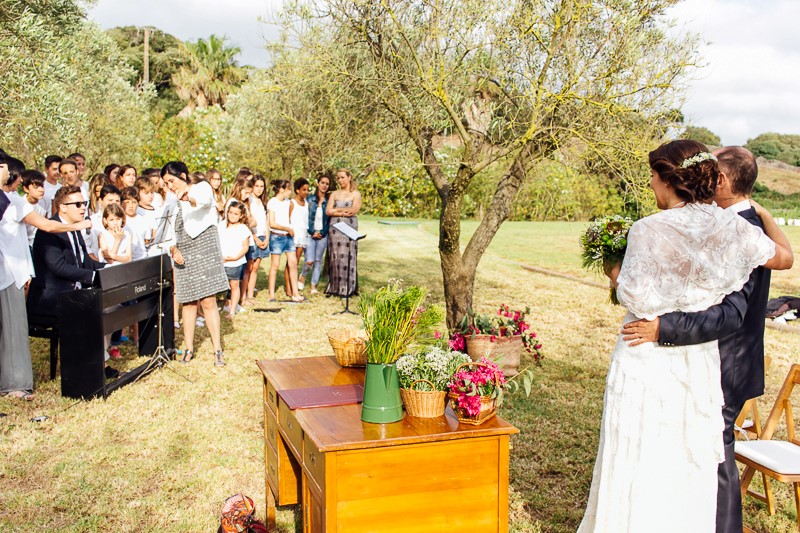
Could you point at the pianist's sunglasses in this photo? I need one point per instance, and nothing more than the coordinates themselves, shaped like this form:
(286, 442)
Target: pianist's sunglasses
(77, 204)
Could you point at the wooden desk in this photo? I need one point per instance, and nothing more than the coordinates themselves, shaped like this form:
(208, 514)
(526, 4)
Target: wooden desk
(418, 474)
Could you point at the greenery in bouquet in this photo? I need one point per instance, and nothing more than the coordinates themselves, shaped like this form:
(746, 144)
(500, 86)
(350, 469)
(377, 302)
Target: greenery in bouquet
(506, 322)
(397, 320)
(435, 364)
(604, 243)
(476, 381)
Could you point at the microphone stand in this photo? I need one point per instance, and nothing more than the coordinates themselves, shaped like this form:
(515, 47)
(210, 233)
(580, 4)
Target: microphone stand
(354, 236)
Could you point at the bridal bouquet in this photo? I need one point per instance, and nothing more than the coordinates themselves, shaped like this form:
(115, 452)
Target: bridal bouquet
(604, 243)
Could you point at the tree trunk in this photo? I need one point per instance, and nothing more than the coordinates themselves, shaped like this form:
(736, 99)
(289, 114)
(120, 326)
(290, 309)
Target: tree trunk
(459, 282)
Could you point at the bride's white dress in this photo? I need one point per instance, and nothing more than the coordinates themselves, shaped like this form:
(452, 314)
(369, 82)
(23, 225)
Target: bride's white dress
(661, 432)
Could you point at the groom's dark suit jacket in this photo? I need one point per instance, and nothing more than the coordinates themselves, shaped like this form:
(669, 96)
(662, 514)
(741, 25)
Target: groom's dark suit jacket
(738, 323)
(57, 269)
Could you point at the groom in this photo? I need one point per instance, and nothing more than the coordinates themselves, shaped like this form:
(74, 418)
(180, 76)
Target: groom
(738, 323)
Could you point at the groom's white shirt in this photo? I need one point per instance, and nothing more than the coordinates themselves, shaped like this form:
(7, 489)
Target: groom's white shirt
(738, 207)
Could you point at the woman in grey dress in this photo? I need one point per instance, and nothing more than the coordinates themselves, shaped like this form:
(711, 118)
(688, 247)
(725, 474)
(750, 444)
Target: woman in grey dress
(199, 271)
(343, 206)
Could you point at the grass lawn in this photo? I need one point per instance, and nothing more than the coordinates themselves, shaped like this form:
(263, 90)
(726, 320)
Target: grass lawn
(162, 454)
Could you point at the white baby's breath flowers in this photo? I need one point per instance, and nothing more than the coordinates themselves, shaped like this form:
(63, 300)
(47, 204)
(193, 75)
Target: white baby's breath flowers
(699, 158)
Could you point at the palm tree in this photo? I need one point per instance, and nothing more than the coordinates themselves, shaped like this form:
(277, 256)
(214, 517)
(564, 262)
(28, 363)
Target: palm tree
(210, 74)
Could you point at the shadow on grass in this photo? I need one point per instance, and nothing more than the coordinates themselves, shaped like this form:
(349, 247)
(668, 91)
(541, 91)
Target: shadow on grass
(552, 459)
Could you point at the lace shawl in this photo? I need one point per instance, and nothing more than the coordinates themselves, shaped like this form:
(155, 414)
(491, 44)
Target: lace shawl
(688, 259)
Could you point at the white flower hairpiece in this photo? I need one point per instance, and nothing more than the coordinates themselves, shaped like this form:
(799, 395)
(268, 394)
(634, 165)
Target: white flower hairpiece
(699, 158)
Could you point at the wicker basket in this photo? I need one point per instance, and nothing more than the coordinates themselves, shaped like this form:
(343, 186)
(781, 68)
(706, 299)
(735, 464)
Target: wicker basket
(423, 404)
(488, 404)
(506, 351)
(349, 346)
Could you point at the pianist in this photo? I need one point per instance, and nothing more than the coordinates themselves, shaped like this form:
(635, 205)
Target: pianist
(61, 261)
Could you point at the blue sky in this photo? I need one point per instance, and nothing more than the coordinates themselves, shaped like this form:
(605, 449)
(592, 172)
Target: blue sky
(751, 83)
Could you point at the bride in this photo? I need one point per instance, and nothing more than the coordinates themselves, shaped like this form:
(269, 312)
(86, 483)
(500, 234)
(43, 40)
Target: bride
(662, 426)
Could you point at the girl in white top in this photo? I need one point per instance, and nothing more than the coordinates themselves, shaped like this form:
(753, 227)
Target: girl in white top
(281, 238)
(234, 239)
(113, 242)
(298, 216)
(242, 190)
(260, 248)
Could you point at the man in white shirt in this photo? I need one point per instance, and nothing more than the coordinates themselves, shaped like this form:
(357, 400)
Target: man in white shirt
(16, 269)
(51, 181)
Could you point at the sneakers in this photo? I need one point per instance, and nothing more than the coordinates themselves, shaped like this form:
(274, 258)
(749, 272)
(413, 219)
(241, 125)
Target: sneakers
(240, 309)
(176, 325)
(200, 322)
(113, 353)
(300, 285)
(226, 308)
(314, 291)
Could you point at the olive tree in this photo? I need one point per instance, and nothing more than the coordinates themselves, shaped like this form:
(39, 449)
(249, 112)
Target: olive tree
(508, 84)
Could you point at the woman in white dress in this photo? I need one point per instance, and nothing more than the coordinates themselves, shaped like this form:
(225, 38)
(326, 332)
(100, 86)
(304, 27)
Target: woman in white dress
(661, 432)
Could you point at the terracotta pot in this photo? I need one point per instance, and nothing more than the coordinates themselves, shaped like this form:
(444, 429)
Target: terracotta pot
(505, 351)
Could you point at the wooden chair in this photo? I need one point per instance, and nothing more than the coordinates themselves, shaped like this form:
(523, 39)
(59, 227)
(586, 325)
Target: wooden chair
(748, 423)
(778, 459)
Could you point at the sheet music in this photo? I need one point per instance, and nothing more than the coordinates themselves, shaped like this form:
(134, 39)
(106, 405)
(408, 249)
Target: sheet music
(352, 234)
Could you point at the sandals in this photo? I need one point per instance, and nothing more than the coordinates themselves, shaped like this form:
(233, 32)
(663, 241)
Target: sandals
(219, 358)
(19, 395)
(188, 355)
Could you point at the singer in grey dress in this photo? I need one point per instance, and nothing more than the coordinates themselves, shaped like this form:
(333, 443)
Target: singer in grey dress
(342, 282)
(202, 273)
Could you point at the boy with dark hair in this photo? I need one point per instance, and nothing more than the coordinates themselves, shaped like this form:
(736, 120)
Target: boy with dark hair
(33, 185)
(51, 181)
(109, 194)
(134, 224)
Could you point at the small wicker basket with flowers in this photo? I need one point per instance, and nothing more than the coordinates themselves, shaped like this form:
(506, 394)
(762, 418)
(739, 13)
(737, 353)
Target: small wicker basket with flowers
(424, 377)
(476, 391)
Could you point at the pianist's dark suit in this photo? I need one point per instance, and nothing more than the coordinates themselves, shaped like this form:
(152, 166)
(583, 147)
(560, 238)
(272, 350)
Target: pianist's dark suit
(57, 269)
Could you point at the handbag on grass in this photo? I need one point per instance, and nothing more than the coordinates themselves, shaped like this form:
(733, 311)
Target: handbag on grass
(238, 516)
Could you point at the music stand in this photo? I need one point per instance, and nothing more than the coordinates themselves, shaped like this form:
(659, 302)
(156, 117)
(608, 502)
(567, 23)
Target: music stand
(161, 233)
(353, 235)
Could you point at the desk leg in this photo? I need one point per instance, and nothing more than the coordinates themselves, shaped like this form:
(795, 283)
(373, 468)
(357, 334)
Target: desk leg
(270, 509)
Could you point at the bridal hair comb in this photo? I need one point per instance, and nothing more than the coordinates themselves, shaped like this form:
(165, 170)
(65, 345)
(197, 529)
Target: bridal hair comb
(699, 158)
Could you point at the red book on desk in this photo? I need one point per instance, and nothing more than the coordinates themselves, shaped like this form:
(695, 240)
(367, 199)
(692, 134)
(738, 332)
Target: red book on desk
(322, 396)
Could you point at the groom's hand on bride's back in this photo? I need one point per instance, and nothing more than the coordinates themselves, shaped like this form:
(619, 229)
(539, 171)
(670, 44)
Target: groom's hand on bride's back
(640, 331)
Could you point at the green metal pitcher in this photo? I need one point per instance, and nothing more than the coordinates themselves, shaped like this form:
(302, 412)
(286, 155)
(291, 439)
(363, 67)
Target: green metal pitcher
(382, 402)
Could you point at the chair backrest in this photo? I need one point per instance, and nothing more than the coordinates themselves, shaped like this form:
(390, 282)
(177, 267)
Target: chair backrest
(750, 408)
(783, 405)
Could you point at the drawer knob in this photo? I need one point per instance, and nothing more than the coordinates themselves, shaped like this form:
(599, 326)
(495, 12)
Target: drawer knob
(312, 458)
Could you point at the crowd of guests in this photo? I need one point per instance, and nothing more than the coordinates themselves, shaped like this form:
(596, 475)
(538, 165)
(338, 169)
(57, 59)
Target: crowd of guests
(59, 226)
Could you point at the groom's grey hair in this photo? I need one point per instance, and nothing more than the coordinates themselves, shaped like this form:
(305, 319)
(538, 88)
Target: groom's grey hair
(740, 166)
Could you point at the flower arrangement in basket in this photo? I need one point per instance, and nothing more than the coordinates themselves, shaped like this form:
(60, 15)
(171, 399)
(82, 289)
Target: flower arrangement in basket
(349, 346)
(424, 378)
(478, 330)
(476, 391)
(604, 243)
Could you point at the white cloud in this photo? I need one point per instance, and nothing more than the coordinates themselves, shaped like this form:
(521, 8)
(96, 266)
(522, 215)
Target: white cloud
(751, 82)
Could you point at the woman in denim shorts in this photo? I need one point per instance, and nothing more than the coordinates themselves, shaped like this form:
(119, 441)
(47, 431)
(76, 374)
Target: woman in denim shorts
(281, 238)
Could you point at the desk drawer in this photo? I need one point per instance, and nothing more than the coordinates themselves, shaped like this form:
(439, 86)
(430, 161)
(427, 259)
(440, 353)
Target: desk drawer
(272, 471)
(271, 429)
(271, 397)
(292, 430)
(314, 461)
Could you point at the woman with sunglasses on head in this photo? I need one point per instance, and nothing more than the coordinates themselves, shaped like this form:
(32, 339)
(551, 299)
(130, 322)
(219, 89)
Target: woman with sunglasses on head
(199, 271)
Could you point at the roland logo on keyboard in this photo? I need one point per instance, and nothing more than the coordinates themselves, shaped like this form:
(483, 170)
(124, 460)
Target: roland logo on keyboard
(140, 288)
